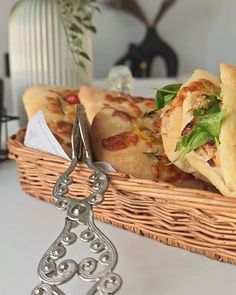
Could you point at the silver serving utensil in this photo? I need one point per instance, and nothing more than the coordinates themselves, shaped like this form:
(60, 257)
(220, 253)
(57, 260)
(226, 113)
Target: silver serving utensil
(53, 273)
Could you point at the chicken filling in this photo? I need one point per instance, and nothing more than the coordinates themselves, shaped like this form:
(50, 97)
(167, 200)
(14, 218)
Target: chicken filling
(201, 134)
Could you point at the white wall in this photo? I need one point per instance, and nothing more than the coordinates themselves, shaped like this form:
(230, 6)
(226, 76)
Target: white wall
(5, 7)
(201, 31)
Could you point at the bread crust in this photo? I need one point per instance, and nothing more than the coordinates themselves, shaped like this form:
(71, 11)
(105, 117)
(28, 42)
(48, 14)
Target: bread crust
(37, 97)
(129, 160)
(213, 174)
(94, 99)
(227, 147)
(58, 105)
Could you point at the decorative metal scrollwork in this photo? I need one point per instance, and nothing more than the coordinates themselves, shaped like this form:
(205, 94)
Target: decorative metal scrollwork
(53, 270)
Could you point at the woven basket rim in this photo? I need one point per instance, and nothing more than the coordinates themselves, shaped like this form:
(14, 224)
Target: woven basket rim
(196, 220)
(16, 141)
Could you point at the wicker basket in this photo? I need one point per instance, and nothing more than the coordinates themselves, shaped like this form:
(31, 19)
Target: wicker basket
(199, 221)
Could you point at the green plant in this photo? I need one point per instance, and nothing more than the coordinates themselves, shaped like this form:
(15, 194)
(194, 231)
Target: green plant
(76, 16)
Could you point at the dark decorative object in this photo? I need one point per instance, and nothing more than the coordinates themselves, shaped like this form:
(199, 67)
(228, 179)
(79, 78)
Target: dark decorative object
(4, 119)
(140, 57)
(7, 65)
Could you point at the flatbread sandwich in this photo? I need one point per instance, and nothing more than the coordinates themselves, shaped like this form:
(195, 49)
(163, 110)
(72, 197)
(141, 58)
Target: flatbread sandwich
(198, 127)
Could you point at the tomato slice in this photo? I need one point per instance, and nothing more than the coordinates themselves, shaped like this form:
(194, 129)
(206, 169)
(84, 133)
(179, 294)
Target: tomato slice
(72, 98)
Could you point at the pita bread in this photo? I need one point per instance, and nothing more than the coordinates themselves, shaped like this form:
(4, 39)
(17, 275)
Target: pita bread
(174, 119)
(223, 174)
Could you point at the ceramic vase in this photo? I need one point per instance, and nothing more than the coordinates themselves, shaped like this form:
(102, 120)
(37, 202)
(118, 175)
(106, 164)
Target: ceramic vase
(39, 53)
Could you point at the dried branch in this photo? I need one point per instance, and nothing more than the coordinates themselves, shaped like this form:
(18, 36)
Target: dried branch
(129, 6)
(166, 4)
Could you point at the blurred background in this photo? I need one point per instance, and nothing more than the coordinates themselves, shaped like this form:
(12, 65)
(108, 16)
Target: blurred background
(202, 34)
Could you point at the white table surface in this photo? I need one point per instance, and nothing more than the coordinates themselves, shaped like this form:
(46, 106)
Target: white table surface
(28, 226)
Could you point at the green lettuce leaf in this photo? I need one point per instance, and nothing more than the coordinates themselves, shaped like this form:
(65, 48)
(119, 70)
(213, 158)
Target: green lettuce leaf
(207, 128)
(192, 141)
(211, 123)
(166, 94)
(215, 103)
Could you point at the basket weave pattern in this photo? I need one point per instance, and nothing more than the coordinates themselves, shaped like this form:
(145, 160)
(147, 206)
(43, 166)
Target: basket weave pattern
(199, 221)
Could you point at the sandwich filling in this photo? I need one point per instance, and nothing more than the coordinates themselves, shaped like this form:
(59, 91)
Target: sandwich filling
(198, 127)
(203, 114)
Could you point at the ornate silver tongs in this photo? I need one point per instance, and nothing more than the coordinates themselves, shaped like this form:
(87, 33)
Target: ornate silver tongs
(51, 271)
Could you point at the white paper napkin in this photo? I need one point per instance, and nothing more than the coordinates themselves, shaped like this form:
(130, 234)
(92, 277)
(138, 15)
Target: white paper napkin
(38, 136)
